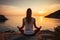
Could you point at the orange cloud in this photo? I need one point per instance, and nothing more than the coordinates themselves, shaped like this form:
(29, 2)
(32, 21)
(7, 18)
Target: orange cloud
(13, 10)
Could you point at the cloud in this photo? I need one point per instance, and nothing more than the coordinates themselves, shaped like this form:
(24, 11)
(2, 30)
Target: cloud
(27, 3)
(15, 10)
(11, 10)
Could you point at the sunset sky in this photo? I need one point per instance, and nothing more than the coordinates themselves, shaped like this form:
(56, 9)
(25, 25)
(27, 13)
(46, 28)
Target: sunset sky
(19, 7)
(15, 10)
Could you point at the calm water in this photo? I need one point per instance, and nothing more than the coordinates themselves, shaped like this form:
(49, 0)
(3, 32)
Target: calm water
(46, 23)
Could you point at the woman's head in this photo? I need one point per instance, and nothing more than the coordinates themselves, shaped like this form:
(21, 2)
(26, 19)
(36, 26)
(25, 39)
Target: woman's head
(29, 12)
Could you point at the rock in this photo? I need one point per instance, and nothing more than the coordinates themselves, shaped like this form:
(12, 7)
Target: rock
(3, 18)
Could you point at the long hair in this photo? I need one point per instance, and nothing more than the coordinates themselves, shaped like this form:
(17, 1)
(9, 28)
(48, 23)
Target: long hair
(28, 15)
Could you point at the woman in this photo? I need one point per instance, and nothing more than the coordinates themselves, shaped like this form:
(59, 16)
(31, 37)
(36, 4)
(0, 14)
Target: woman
(28, 23)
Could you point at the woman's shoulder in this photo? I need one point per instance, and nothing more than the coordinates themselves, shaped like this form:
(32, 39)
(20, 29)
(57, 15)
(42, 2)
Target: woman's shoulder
(33, 18)
(24, 18)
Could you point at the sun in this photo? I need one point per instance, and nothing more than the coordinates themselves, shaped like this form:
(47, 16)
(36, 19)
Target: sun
(41, 12)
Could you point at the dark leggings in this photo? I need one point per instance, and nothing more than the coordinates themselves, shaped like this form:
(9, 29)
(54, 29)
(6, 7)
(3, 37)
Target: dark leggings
(35, 31)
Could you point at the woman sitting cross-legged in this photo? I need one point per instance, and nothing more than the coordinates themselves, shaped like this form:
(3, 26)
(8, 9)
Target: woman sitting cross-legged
(28, 23)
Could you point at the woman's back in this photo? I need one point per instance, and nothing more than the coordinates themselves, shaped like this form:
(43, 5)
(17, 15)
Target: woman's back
(29, 26)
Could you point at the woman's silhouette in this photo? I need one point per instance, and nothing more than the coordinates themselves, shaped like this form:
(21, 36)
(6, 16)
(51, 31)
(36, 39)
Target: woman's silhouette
(28, 23)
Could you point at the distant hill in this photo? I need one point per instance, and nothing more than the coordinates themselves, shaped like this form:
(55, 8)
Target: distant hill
(56, 14)
(3, 18)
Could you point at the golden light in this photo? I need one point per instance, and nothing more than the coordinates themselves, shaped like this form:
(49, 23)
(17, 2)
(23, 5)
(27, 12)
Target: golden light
(41, 18)
(41, 12)
(11, 10)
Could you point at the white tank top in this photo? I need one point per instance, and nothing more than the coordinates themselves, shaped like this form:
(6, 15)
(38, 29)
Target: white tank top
(29, 27)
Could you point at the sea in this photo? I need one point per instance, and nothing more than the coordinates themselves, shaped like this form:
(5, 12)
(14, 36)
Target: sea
(14, 21)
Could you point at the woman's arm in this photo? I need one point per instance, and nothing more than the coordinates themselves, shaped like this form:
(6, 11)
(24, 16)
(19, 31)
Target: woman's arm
(22, 25)
(35, 24)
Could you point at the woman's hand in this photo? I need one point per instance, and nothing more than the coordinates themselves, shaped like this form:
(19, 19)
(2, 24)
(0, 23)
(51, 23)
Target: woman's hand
(18, 27)
(39, 27)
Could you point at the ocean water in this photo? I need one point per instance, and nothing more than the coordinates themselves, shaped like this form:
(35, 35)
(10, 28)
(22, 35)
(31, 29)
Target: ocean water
(14, 21)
